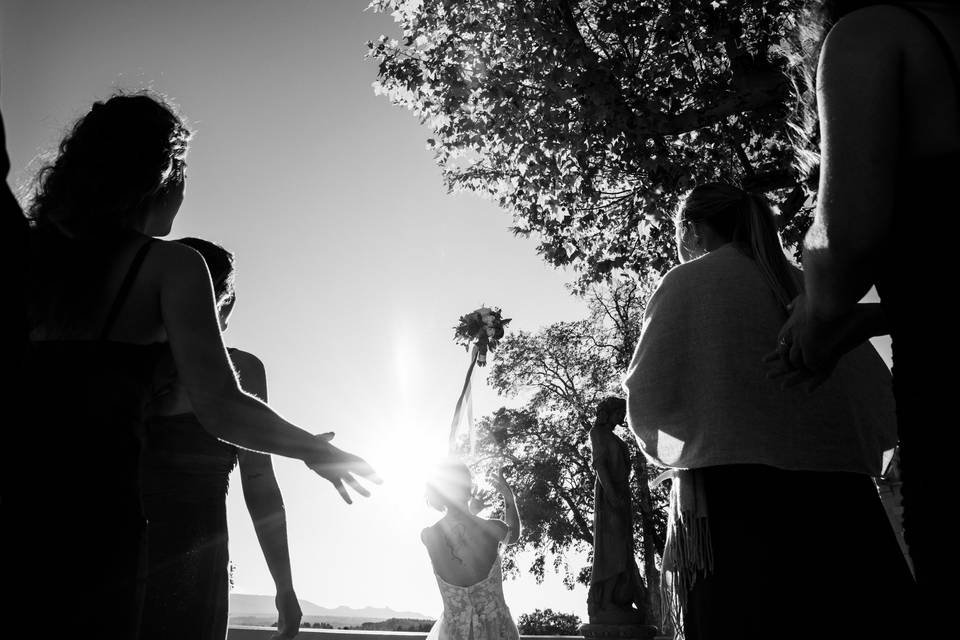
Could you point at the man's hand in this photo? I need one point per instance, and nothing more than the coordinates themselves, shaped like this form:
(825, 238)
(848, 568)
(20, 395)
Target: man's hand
(809, 347)
(806, 351)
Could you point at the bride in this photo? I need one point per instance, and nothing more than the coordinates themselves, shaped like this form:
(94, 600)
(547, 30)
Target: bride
(465, 552)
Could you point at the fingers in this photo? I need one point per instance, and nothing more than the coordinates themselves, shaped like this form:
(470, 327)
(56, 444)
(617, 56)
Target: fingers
(359, 488)
(796, 377)
(342, 490)
(361, 467)
(326, 436)
(772, 357)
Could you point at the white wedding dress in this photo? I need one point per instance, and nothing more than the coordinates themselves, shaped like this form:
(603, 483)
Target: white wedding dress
(477, 612)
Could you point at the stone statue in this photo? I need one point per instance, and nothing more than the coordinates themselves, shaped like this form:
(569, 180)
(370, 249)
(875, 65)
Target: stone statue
(617, 592)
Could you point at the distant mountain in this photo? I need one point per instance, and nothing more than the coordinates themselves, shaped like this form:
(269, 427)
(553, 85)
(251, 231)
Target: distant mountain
(248, 605)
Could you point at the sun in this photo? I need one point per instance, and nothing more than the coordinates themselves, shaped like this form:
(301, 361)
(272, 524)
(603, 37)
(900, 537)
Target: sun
(404, 459)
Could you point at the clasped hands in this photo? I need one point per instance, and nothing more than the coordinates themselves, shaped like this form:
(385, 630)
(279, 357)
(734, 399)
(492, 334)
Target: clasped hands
(341, 468)
(808, 347)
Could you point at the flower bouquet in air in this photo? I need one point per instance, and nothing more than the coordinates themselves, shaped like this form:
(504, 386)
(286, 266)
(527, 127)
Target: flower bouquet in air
(481, 329)
(479, 332)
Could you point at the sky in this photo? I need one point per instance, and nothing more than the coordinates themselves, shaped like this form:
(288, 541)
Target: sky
(354, 263)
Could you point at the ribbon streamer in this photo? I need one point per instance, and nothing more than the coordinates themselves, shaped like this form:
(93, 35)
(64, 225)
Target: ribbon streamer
(465, 401)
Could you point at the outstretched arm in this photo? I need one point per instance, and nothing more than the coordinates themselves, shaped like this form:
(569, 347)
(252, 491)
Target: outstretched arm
(511, 514)
(224, 409)
(265, 504)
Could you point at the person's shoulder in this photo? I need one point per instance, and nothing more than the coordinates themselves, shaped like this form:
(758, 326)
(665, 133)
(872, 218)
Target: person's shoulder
(176, 257)
(245, 360)
(428, 535)
(498, 528)
(874, 27)
(704, 268)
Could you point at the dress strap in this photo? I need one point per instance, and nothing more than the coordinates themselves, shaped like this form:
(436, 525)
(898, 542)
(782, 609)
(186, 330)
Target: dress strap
(944, 45)
(125, 287)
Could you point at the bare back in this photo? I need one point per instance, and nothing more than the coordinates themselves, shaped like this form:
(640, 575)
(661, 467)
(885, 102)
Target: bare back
(463, 549)
(82, 314)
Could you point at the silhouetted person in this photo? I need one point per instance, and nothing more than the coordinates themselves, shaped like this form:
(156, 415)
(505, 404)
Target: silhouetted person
(889, 113)
(185, 479)
(773, 504)
(106, 302)
(13, 335)
(14, 234)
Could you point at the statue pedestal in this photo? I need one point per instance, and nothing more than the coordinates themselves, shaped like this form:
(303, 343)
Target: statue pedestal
(591, 631)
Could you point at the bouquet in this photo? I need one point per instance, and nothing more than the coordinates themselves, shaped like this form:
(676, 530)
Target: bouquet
(481, 328)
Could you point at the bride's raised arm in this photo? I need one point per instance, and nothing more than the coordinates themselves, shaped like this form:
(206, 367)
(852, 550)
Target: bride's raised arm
(511, 513)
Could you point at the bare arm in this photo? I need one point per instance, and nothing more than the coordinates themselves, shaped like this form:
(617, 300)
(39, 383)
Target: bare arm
(860, 115)
(265, 504)
(223, 408)
(511, 514)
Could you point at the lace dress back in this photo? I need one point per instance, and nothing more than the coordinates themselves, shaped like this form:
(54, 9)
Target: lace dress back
(476, 612)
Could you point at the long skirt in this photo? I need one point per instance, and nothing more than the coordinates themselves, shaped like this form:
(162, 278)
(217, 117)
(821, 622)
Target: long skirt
(799, 554)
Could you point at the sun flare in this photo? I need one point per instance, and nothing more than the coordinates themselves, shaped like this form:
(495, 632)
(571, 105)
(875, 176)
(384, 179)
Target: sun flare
(404, 460)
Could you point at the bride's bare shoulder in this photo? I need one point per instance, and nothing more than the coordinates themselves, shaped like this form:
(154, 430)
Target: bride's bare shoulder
(497, 528)
(429, 535)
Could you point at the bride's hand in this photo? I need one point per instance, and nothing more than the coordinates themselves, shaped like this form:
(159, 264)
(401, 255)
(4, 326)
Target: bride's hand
(340, 467)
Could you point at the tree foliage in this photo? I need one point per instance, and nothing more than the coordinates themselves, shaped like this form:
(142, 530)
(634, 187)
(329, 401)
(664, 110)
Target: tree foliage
(547, 622)
(589, 119)
(562, 372)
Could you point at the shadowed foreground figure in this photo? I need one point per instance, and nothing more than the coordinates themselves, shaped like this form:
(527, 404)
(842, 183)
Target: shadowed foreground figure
(889, 112)
(615, 583)
(106, 302)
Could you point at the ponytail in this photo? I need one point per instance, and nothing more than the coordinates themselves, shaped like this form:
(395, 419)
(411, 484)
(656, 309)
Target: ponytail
(765, 248)
(747, 220)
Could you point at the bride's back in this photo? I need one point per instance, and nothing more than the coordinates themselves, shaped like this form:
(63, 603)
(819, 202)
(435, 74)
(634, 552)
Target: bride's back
(463, 548)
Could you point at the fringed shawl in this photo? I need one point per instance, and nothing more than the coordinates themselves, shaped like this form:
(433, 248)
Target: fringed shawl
(697, 390)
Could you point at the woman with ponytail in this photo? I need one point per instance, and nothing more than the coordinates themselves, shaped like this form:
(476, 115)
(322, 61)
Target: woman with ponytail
(773, 506)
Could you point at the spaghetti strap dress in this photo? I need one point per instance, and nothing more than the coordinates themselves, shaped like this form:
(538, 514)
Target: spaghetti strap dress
(185, 476)
(914, 300)
(73, 524)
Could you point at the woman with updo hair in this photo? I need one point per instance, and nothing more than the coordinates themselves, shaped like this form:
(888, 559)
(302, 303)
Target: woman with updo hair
(106, 301)
(773, 507)
(464, 550)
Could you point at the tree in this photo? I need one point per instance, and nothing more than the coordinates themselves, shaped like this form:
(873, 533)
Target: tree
(564, 370)
(547, 622)
(589, 119)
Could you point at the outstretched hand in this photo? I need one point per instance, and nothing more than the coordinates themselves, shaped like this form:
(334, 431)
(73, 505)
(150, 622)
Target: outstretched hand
(341, 468)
